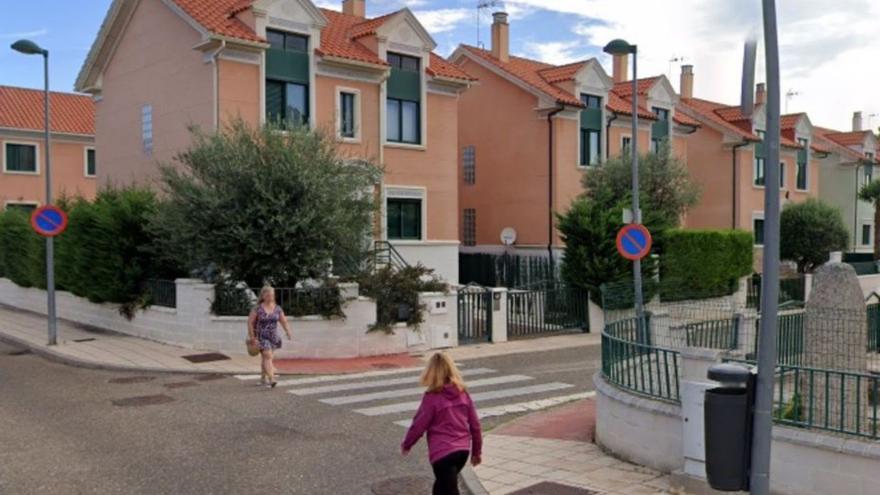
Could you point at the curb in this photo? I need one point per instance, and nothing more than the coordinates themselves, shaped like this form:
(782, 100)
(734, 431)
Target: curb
(472, 481)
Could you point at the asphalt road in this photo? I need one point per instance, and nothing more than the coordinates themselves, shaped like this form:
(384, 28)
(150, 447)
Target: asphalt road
(66, 430)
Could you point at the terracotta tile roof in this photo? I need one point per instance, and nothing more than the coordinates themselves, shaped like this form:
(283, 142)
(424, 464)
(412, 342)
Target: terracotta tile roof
(218, 17)
(684, 119)
(790, 121)
(624, 106)
(336, 39)
(624, 89)
(821, 136)
(713, 112)
(853, 138)
(439, 67)
(364, 27)
(22, 108)
(561, 72)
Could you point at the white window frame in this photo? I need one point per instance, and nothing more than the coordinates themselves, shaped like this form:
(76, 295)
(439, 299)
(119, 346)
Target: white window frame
(603, 100)
(622, 146)
(21, 202)
(756, 215)
(86, 162)
(755, 172)
(424, 61)
(357, 114)
(37, 157)
(870, 226)
(405, 192)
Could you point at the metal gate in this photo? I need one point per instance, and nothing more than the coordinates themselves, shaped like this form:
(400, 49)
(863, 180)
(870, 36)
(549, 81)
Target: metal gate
(546, 311)
(475, 306)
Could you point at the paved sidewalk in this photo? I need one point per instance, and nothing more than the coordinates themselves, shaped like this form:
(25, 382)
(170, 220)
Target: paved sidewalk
(539, 344)
(537, 453)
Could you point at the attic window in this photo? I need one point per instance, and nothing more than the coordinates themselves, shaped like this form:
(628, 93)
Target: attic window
(403, 62)
(287, 41)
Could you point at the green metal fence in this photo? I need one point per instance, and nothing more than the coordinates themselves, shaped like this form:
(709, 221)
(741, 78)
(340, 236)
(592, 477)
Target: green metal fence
(713, 334)
(789, 339)
(792, 291)
(873, 327)
(548, 310)
(629, 363)
(492, 270)
(161, 292)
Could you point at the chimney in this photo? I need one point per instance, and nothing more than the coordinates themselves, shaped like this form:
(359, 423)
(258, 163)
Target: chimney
(857, 121)
(357, 8)
(686, 86)
(620, 72)
(761, 94)
(500, 37)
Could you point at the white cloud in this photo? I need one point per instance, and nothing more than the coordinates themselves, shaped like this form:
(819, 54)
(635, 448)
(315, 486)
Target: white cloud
(26, 34)
(556, 52)
(826, 53)
(438, 21)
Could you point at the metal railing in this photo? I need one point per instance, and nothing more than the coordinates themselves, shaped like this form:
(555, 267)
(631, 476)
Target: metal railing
(792, 291)
(511, 271)
(631, 363)
(713, 334)
(873, 311)
(161, 292)
(547, 310)
(789, 339)
(238, 301)
(385, 254)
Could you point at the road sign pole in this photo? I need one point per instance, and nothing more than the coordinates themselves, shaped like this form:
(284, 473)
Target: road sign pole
(637, 214)
(763, 419)
(50, 242)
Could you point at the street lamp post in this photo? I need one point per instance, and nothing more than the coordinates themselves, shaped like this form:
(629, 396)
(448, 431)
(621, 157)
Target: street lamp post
(28, 47)
(621, 47)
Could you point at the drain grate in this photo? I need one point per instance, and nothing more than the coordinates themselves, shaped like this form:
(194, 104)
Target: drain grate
(89, 339)
(180, 385)
(386, 366)
(551, 488)
(209, 378)
(403, 486)
(129, 380)
(206, 358)
(143, 400)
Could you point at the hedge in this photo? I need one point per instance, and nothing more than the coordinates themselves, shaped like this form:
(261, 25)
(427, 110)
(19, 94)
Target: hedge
(705, 262)
(21, 251)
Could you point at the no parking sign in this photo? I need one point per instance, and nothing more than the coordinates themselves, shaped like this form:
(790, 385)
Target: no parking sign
(634, 241)
(49, 221)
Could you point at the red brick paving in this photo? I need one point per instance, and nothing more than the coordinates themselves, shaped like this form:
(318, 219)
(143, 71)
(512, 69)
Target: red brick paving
(353, 365)
(575, 421)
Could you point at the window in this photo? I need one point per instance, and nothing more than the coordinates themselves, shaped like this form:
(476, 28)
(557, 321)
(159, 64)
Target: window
(660, 129)
(591, 101)
(90, 166)
(590, 147)
(758, 228)
(469, 234)
(801, 181)
(403, 121)
(625, 145)
(781, 175)
(866, 234)
(404, 219)
(147, 129)
(287, 41)
(469, 165)
(20, 158)
(287, 102)
(403, 62)
(759, 171)
(869, 174)
(346, 115)
(21, 206)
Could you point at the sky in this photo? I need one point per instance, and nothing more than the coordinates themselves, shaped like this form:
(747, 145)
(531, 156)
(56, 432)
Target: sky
(829, 48)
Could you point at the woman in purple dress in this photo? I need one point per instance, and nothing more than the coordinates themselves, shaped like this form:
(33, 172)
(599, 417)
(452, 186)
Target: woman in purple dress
(263, 328)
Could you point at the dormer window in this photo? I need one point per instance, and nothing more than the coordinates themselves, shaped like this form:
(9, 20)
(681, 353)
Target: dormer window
(287, 78)
(403, 103)
(591, 131)
(660, 128)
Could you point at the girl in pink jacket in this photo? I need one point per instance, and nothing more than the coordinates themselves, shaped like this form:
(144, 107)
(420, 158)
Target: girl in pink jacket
(447, 413)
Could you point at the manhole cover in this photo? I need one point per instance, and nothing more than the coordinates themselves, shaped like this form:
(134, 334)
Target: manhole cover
(128, 380)
(180, 384)
(206, 358)
(386, 366)
(408, 485)
(23, 352)
(551, 488)
(208, 378)
(84, 340)
(143, 400)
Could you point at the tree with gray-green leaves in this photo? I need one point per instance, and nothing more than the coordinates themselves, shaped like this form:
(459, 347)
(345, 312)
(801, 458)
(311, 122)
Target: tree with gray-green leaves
(871, 192)
(809, 232)
(267, 205)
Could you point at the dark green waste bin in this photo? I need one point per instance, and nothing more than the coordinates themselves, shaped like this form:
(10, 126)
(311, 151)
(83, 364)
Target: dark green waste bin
(728, 427)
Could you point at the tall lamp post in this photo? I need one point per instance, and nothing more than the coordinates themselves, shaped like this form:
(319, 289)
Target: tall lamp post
(28, 47)
(621, 47)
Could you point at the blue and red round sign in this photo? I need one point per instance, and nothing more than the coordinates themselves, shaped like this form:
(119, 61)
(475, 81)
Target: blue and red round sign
(49, 221)
(634, 241)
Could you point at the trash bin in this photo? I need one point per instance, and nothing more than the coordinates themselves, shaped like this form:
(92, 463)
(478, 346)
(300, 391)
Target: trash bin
(728, 427)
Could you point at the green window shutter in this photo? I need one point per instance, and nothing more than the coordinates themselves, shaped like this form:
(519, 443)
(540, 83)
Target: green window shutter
(285, 65)
(591, 118)
(802, 156)
(660, 130)
(405, 85)
(275, 100)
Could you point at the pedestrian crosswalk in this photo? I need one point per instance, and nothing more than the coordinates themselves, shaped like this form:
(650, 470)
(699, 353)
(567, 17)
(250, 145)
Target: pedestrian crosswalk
(396, 394)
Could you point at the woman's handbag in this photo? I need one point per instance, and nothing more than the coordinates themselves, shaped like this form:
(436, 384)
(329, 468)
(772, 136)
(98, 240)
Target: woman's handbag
(253, 347)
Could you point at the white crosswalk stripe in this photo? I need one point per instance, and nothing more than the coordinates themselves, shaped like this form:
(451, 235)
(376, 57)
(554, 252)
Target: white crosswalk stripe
(396, 393)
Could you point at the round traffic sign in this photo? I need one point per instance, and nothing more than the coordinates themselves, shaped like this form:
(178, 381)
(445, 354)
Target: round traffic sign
(634, 241)
(49, 221)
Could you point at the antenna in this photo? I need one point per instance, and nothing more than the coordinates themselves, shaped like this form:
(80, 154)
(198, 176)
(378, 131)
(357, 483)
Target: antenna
(481, 6)
(673, 60)
(788, 96)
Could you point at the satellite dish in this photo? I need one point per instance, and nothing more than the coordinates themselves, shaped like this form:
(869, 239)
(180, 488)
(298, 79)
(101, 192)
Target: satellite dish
(508, 236)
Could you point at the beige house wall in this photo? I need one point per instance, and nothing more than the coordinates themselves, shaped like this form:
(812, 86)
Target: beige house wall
(68, 169)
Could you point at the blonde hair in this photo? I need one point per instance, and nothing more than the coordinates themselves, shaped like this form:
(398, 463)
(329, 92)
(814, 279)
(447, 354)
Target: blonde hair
(441, 369)
(265, 290)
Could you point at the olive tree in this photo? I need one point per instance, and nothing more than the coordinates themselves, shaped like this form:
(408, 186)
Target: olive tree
(809, 232)
(271, 204)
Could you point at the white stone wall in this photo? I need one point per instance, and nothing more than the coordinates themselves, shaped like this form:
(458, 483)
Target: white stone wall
(441, 256)
(193, 326)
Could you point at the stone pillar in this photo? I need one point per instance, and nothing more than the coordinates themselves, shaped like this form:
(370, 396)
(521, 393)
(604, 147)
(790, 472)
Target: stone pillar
(596, 315)
(835, 338)
(499, 314)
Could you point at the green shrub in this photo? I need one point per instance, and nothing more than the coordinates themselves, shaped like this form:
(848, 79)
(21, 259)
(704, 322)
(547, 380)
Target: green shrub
(704, 263)
(19, 248)
(809, 232)
(394, 288)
